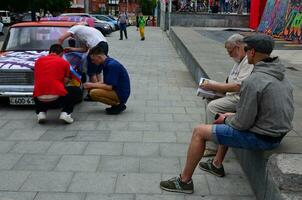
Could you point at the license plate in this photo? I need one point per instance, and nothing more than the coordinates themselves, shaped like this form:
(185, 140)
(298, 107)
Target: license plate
(21, 101)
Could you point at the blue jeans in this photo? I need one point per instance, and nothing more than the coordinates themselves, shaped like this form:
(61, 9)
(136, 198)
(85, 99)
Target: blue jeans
(123, 28)
(228, 136)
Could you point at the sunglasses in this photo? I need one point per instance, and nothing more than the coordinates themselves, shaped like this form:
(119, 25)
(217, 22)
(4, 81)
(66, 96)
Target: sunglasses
(247, 48)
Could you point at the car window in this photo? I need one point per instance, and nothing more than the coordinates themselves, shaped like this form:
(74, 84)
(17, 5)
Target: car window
(34, 38)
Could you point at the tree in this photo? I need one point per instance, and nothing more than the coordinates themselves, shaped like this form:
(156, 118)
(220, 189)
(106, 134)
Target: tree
(147, 6)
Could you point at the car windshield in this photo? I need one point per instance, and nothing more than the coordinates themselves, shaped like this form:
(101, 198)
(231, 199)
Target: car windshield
(33, 38)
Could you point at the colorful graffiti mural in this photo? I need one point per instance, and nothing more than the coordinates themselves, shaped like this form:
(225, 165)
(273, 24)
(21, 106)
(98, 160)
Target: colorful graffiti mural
(282, 19)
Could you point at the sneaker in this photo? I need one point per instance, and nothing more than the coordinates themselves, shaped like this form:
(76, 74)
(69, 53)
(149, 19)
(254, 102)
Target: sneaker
(41, 117)
(176, 185)
(114, 110)
(208, 166)
(209, 153)
(66, 118)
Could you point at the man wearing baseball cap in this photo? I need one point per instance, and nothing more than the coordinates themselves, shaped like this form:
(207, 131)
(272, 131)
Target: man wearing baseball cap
(263, 116)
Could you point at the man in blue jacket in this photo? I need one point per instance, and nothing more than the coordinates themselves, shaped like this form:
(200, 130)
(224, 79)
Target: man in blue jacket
(115, 88)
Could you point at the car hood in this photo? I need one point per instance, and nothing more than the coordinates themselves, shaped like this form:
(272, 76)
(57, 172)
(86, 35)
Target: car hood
(20, 59)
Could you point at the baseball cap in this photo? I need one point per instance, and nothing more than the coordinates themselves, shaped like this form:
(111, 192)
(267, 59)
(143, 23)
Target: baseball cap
(260, 42)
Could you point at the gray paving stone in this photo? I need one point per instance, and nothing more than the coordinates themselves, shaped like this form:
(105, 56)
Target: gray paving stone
(115, 125)
(47, 181)
(150, 136)
(119, 164)
(59, 196)
(131, 116)
(188, 118)
(19, 124)
(2, 122)
(224, 197)
(160, 197)
(17, 195)
(143, 126)
(26, 134)
(159, 117)
(126, 136)
(93, 182)
(141, 149)
(5, 146)
(173, 149)
(183, 137)
(37, 162)
(58, 135)
(176, 110)
(229, 185)
(67, 148)
(5, 133)
(174, 126)
(138, 183)
(78, 163)
(7, 161)
(31, 147)
(92, 136)
(12, 180)
(82, 125)
(160, 165)
(109, 197)
(104, 148)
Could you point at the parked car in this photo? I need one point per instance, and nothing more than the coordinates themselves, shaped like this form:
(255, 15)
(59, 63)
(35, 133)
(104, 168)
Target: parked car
(107, 19)
(24, 44)
(105, 28)
(1, 29)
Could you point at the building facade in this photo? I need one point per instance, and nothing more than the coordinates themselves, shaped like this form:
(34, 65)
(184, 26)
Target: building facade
(112, 7)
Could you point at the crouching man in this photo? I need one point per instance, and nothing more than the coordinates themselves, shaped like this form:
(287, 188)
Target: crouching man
(263, 116)
(115, 88)
(50, 75)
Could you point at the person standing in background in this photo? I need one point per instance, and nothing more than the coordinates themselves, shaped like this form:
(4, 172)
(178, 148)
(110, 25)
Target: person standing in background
(122, 20)
(141, 24)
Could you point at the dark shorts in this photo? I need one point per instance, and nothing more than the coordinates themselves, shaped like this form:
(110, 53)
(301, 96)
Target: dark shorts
(228, 136)
(93, 69)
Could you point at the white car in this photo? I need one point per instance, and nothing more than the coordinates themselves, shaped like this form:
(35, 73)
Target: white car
(1, 29)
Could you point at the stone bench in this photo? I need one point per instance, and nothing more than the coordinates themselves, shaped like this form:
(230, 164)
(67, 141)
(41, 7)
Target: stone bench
(274, 175)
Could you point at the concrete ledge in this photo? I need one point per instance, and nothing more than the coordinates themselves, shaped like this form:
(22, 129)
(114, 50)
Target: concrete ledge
(207, 58)
(209, 20)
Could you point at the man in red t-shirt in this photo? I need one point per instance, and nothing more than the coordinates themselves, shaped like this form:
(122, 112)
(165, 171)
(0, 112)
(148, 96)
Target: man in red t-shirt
(50, 75)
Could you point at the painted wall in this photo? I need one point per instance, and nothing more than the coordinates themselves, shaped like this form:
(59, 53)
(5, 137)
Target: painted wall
(282, 18)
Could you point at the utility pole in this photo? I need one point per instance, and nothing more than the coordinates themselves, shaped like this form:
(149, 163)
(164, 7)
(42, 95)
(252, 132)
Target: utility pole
(127, 7)
(86, 6)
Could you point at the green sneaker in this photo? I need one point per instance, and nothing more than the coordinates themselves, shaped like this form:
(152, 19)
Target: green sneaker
(209, 167)
(176, 185)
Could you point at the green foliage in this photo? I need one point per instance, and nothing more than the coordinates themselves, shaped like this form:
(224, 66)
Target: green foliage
(147, 6)
(25, 5)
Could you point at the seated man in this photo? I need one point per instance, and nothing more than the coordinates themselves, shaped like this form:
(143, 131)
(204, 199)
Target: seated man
(115, 89)
(241, 70)
(264, 116)
(50, 74)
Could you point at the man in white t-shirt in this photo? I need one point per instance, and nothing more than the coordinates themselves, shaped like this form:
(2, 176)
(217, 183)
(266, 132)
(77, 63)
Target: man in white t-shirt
(241, 70)
(88, 37)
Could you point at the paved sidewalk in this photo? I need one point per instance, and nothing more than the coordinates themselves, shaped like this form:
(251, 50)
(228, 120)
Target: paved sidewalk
(124, 157)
